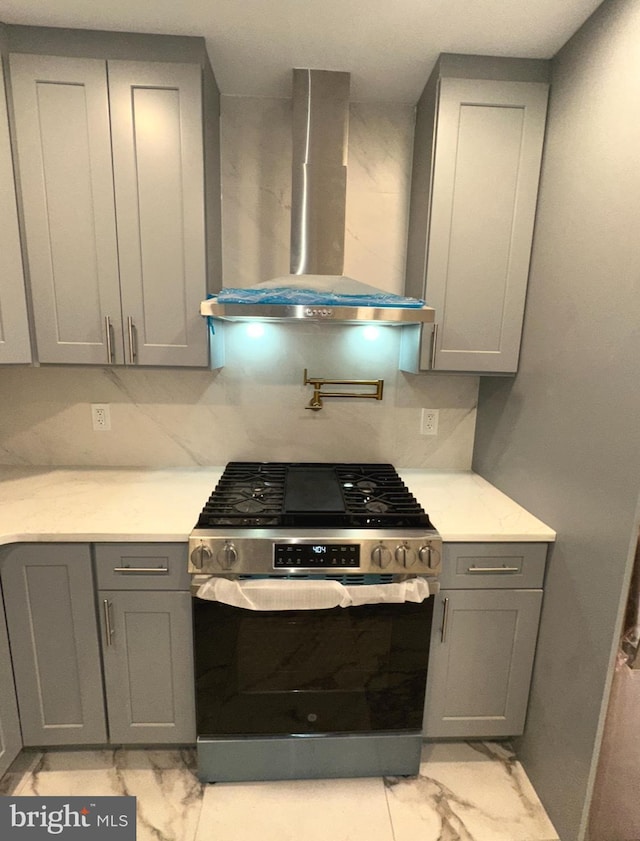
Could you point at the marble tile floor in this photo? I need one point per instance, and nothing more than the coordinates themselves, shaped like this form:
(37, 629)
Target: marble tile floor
(475, 791)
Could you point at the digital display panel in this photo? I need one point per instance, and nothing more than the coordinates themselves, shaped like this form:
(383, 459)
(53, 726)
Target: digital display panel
(316, 555)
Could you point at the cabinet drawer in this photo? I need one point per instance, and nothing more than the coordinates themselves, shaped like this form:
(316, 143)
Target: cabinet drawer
(142, 566)
(470, 566)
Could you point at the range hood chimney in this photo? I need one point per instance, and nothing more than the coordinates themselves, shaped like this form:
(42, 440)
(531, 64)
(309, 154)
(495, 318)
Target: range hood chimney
(319, 171)
(320, 133)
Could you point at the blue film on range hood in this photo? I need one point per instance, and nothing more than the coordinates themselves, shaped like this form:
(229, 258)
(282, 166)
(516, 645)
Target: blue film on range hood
(294, 304)
(312, 297)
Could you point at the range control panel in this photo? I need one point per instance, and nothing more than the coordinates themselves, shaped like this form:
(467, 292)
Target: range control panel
(316, 556)
(267, 553)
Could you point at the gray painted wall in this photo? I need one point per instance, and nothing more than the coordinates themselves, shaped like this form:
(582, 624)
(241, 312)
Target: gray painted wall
(563, 438)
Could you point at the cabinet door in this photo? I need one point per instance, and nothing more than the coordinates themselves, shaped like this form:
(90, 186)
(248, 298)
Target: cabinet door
(484, 192)
(156, 123)
(14, 326)
(10, 738)
(148, 666)
(480, 661)
(51, 617)
(64, 160)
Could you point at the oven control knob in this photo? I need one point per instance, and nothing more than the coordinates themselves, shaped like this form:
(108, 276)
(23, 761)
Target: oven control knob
(424, 553)
(227, 556)
(380, 555)
(200, 555)
(429, 556)
(405, 555)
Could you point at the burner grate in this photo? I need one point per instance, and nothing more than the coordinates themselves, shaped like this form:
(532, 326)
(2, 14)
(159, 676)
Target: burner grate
(312, 495)
(249, 494)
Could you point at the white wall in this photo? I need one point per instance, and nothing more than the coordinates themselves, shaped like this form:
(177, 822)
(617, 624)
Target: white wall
(564, 438)
(254, 407)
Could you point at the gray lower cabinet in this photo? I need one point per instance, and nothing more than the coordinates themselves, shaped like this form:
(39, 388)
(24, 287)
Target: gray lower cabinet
(148, 668)
(10, 736)
(90, 669)
(145, 615)
(481, 656)
(53, 632)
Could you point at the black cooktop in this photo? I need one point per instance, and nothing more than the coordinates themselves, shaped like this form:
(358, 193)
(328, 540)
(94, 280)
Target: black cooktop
(312, 495)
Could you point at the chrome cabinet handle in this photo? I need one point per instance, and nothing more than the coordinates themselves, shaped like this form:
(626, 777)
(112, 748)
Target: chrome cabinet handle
(492, 570)
(445, 619)
(108, 629)
(142, 570)
(108, 327)
(132, 344)
(434, 339)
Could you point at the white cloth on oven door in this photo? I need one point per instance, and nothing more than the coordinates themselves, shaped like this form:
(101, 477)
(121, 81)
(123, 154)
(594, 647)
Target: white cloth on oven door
(308, 594)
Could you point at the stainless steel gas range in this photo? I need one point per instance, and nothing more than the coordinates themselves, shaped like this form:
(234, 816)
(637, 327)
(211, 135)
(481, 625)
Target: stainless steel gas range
(312, 587)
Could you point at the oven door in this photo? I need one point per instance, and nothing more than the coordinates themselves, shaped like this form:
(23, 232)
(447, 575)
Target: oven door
(350, 670)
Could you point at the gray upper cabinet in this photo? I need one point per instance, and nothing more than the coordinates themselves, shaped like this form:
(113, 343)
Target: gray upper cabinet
(477, 155)
(10, 738)
(156, 123)
(14, 326)
(110, 155)
(64, 153)
(53, 630)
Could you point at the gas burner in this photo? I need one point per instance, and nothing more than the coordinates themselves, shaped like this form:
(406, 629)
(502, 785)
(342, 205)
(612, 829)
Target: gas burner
(376, 506)
(259, 487)
(367, 486)
(250, 506)
(262, 492)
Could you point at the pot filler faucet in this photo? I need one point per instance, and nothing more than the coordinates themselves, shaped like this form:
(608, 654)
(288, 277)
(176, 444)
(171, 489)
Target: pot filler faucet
(315, 404)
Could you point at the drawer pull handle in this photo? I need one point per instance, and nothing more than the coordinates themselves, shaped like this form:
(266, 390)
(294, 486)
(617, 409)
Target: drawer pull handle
(445, 619)
(142, 570)
(108, 629)
(493, 570)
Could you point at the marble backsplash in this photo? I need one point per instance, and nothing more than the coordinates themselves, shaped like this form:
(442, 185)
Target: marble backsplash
(254, 407)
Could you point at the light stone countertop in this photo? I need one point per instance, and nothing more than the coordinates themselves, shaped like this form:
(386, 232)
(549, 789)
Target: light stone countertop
(115, 504)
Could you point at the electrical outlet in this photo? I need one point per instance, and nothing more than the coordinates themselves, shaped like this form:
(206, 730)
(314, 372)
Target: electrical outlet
(429, 422)
(100, 417)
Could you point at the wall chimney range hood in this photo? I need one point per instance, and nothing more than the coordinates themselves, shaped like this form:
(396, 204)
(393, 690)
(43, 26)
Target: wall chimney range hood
(316, 289)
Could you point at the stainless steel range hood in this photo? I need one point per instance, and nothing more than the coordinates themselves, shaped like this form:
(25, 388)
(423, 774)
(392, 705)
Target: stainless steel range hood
(318, 202)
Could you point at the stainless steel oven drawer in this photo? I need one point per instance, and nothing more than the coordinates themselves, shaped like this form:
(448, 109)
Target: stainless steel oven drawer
(469, 566)
(142, 566)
